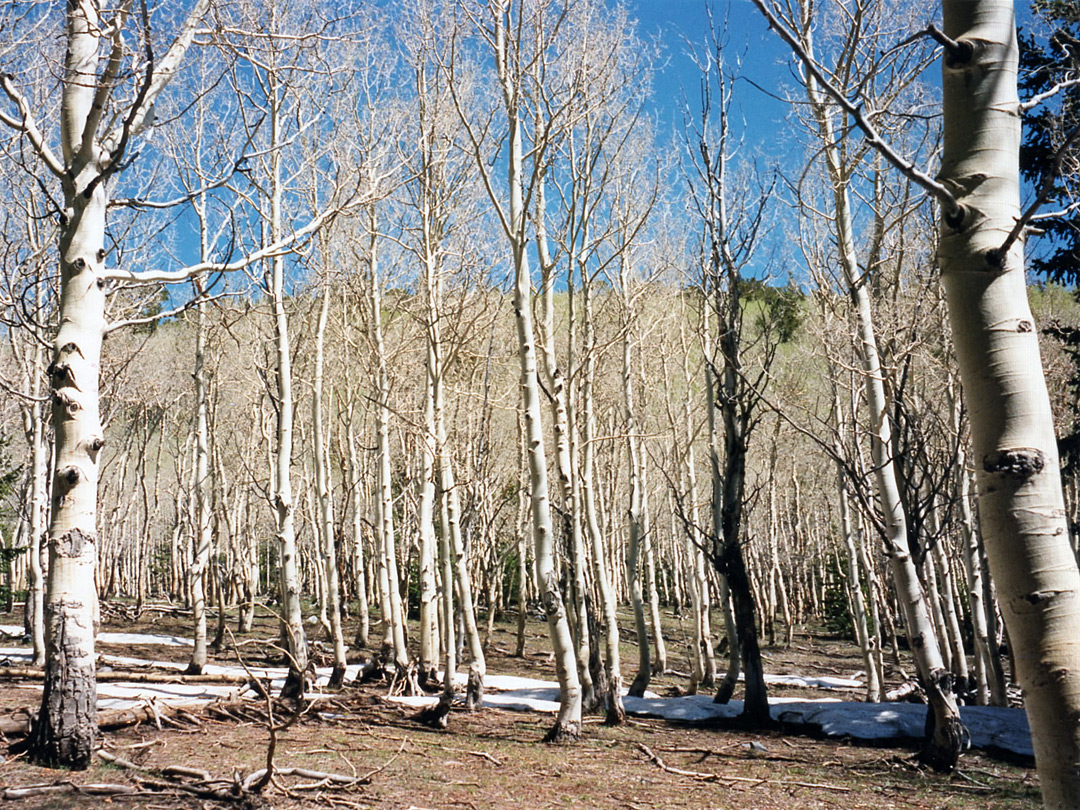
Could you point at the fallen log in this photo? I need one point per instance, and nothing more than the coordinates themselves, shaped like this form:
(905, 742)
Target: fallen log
(108, 720)
(115, 675)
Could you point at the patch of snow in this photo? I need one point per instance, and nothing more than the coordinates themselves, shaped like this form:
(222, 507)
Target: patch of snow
(813, 682)
(145, 638)
(989, 727)
(19, 655)
(129, 694)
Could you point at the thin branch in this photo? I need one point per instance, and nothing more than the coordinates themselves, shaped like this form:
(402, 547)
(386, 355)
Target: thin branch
(1046, 188)
(279, 248)
(142, 114)
(872, 136)
(112, 327)
(1036, 100)
(27, 125)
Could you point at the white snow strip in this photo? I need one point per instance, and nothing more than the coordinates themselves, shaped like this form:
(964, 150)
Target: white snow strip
(808, 682)
(144, 638)
(989, 727)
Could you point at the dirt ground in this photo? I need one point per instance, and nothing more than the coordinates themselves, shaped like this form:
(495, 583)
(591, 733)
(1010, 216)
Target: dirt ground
(494, 759)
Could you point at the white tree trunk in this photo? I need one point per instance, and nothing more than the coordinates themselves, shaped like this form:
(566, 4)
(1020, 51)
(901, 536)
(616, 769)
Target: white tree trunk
(393, 614)
(569, 486)
(1021, 507)
(325, 499)
(429, 639)
(942, 749)
(284, 508)
(360, 563)
(201, 531)
(39, 469)
(568, 721)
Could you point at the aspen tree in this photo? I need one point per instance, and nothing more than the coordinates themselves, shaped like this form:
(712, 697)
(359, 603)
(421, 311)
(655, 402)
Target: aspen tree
(733, 392)
(437, 192)
(942, 747)
(514, 42)
(1021, 508)
(980, 255)
(89, 158)
(326, 533)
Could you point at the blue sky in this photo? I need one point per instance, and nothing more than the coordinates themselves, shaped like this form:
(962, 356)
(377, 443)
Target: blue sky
(764, 59)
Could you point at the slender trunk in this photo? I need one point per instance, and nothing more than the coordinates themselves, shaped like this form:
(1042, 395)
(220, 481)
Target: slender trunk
(569, 486)
(874, 688)
(652, 594)
(284, 508)
(452, 527)
(359, 557)
(522, 545)
(945, 733)
(39, 469)
(635, 515)
(393, 612)
(568, 721)
(615, 713)
(201, 531)
(325, 500)
(429, 640)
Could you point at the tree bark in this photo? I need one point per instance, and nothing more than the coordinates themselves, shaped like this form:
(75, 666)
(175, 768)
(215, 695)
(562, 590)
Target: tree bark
(1021, 507)
(325, 499)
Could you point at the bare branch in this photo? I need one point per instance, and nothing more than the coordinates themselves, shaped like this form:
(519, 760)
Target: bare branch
(157, 316)
(1060, 87)
(1046, 189)
(281, 247)
(870, 133)
(26, 124)
(142, 114)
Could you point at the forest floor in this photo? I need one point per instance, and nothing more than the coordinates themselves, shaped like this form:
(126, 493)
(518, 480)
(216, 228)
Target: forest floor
(494, 758)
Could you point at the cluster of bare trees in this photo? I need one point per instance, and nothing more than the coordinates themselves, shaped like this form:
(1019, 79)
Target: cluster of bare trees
(385, 297)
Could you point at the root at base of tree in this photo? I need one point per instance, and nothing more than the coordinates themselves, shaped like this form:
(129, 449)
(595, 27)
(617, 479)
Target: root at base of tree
(563, 732)
(474, 691)
(437, 716)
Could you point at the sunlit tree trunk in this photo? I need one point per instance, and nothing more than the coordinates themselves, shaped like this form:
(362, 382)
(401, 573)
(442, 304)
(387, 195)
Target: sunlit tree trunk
(284, 507)
(425, 515)
(615, 713)
(201, 531)
(558, 396)
(360, 563)
(65, 728)
(393, 613)
(506, 35)
(325, 499)
(1021, 508)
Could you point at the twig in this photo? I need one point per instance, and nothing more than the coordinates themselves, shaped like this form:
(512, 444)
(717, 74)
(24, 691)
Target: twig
(1046, 187)
(873, 137)
(713, 777)
(91, 789)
